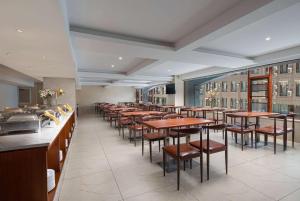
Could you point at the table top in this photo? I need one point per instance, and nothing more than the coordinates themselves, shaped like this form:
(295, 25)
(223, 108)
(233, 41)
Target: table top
(168, 106)
(121, 108)
(171, 123)
(199, 109)
(141, 113)
(252, 114)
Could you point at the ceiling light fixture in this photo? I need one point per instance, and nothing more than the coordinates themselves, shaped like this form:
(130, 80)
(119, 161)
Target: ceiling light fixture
(44, 57)
(169, 70)
(112, 66)
(120, 58)
(20, 30)
(268, 38)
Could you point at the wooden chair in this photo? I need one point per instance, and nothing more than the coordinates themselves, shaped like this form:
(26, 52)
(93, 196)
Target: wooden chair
(183, 152)
(276, 130)
(241, 130)
(152, 136)
(211, 146)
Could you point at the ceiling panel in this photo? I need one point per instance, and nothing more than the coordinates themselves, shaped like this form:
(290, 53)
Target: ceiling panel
(282, 27)
(163, 20)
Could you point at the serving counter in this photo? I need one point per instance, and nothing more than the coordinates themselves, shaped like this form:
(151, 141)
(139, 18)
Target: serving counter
(25, 158)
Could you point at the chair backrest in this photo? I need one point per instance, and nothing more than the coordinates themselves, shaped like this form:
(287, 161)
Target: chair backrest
(172, 116)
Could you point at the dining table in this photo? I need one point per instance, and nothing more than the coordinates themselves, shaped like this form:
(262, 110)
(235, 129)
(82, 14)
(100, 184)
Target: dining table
(245, 116)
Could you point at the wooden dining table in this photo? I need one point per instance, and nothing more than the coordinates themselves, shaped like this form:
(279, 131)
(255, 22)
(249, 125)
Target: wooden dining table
(174, 123)
(245, 116)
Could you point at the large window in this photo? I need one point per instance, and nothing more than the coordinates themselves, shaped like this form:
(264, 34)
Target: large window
(224, 86)
(297, 87)
(233, 103)
(243, 86)
(224, 102)
(297, 68)
(233, 86)
(283, 88)
(283, 68)
(243, 104)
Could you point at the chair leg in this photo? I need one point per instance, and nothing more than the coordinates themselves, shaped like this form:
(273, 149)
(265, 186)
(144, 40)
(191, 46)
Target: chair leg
(178, 173)
(242, 140)
(226, 152)
(142, 146)
(150, 147)
(164, 162)
(134, 137)
(275, 144)
(173, 141)
(191, 163)
(159, 145)
(255, 141)
(207, 165)
(235, 137)
(266, 140)
(184, 165)
(293, 138)
(252, 139)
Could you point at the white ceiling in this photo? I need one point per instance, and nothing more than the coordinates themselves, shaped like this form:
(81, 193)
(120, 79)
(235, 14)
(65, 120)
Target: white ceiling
(283, 27)
(162, 20)
(156, 39)
(42, 50)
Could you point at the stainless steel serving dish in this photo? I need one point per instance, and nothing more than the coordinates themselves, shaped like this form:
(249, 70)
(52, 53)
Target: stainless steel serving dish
(20, 123)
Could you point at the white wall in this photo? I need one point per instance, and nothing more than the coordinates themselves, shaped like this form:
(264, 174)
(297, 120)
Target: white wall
(88, 95)
(67, 84)
(8, 96)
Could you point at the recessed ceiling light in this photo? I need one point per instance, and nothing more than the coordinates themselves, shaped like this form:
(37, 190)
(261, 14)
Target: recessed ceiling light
(169, 70)
(20, 30)
(268, 38)
(112, 66)
(120, 58)
(44, 57)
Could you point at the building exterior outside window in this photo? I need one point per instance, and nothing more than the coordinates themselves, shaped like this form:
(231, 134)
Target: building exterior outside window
(224, 86)
(283, 68)
(243, 86)
(297, 87)
(283, 88)
(233, 86)
(286, 89)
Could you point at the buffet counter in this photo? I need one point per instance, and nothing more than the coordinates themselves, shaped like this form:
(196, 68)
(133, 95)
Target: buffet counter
(27, 159)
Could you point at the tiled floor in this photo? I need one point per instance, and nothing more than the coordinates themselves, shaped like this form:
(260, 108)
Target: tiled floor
(101, 166)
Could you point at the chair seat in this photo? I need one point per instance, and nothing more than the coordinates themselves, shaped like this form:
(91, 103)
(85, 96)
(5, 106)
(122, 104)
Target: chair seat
(186, 151)
(125, 121)
(214, 146)
(269, 130)
(155, 136)
(215, 126)
(239, 130)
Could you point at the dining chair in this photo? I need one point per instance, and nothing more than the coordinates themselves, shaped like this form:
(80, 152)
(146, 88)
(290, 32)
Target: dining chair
(184, 152)
(241, 130)
(211, 146)
(152, 135)
(277, 130)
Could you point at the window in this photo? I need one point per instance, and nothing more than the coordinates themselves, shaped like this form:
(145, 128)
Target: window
(233, 103)
(297, 68)
(224, 102)
(207, 102)
(283, 68)
(233, 86)
(224, 86)
(283, 88)
(243, 86)
(297, 87)
(243, 104)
